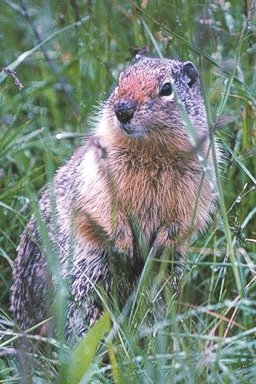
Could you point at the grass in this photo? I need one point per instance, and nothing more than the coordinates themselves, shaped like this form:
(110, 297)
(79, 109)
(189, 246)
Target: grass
(67, 55)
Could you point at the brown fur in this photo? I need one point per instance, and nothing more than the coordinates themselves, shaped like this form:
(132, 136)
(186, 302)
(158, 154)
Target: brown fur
(144, 169)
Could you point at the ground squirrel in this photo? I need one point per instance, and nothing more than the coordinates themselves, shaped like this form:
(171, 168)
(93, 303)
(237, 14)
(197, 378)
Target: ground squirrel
(140, 164)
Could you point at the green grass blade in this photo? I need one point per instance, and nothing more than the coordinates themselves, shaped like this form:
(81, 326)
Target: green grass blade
(81, 358)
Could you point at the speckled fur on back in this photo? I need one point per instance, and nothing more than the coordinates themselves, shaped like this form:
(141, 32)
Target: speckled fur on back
(140, 164)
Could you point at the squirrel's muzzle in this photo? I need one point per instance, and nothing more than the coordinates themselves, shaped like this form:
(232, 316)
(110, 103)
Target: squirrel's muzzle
(124, 110)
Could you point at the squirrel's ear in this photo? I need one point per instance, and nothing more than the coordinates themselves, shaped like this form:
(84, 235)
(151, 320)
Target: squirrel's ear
(139, 53)
(190, 73)
(138, 57)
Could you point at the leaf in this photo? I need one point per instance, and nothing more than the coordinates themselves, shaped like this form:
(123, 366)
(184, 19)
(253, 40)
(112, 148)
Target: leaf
(82, 356)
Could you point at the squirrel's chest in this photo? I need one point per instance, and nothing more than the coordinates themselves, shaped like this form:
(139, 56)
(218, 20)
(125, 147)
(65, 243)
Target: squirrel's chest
(154, 189)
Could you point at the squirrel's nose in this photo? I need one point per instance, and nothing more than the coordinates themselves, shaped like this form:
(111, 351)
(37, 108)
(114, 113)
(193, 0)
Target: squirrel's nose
(124, 110)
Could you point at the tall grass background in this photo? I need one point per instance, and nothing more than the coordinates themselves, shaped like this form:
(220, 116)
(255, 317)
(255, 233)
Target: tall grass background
(66, 57)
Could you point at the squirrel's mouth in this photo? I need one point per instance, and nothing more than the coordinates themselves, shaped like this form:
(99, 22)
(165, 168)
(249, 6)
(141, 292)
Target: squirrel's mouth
(131, 130)
(125, 118)
(126, 127)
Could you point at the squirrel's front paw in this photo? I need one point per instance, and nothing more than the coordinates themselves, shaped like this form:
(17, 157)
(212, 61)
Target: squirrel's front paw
(168, 236)
(123, 243)
(173, 231)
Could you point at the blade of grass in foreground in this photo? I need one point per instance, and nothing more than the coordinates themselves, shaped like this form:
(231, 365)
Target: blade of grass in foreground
(81, 358)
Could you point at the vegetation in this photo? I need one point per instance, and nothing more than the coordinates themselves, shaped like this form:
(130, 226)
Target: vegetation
(67, 56)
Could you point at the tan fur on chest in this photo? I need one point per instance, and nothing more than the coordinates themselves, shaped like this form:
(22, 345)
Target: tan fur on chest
(156, 190)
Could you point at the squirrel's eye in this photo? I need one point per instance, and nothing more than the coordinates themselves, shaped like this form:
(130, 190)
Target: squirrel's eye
(166, 90)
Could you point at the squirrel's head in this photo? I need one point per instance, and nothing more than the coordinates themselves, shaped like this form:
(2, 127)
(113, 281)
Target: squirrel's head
(155, 96)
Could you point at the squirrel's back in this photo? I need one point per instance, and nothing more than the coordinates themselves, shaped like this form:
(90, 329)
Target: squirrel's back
(148, 163)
